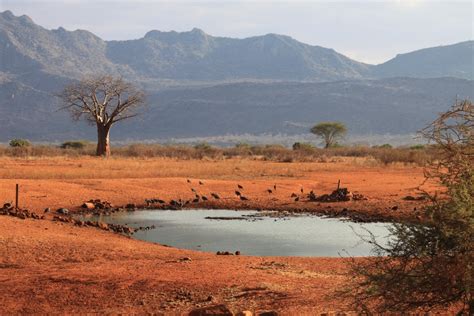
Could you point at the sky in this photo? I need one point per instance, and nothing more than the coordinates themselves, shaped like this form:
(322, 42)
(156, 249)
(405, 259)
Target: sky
(368, 31)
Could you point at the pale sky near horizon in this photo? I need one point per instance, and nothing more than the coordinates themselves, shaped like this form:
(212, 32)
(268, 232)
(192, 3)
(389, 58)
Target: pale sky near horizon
(368, 31)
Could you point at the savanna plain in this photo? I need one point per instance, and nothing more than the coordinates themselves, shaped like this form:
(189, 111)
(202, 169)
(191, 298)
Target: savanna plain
(52, 266)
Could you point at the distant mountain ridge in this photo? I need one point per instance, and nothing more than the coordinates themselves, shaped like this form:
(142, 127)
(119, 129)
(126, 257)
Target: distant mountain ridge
(200, 85)
(197, 56)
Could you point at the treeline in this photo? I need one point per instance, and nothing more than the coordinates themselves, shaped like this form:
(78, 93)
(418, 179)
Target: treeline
(301, 152)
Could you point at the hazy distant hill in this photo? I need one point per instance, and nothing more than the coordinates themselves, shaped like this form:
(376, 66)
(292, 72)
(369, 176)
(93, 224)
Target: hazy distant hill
(195, 55)
(397, 106)
(285, 85)
(452, 60)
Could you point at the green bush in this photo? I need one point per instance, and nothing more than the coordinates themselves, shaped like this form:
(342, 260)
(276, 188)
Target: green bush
(18, 142)
(417, 147)
(387, 146)
(74, 144)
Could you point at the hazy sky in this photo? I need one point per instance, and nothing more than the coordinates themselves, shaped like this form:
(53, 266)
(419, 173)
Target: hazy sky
(369, 31)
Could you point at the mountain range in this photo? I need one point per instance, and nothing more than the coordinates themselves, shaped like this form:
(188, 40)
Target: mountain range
(199, 85)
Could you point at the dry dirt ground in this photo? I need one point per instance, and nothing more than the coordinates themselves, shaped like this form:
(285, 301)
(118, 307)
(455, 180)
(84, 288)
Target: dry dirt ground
(51, 267)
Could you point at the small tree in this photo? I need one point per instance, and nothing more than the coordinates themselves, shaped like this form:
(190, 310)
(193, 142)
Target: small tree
(330, 132)
(103, 101)
(18, 142)
(431, 264)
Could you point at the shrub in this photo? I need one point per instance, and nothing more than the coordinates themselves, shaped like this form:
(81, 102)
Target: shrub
(74, 144)
(18, 142)
(417, 147)
(387, 146)
(303, 146)
(203, 146)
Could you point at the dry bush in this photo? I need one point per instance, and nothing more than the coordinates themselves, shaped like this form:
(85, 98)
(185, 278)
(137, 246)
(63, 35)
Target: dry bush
(277, 153)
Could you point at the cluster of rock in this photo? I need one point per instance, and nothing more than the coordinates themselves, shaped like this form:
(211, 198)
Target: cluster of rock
(415, 198)
(227, 253)
(338, 195)
(223, 310)
(10, 210)
(97, 204)
(117, 228)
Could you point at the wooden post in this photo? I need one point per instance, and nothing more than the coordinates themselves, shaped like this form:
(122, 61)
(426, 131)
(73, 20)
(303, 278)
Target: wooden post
(338, 183)
(16, 196)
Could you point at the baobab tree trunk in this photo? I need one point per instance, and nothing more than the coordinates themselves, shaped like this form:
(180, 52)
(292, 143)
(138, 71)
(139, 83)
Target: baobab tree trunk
(103, 142)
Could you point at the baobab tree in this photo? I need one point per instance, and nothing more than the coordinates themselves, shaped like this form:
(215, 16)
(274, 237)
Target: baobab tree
(330, 132)
(102, 101)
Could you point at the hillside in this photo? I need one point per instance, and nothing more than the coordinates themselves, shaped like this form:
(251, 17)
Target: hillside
(201, 85)
(396, 106)
(444, 61)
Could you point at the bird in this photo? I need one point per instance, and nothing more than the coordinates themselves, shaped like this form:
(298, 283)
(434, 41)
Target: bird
(214, 195)
(293, 195)
(189, 181)
(269, 191)
(243, 198)
(197, 196)
(201, 183)
(196, 200)
(301, 190)
(240, 187)
(204, 198)
(275, 187)
(238, 193)
(297, 199)
(194, 190)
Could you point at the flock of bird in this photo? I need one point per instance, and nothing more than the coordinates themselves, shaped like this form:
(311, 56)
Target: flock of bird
(198, 197)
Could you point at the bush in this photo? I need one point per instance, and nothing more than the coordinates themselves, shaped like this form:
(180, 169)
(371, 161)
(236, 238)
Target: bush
(203, 146)
(417, 147)
(74, 144)
(302, 146)
(18, 142)
(387, 146)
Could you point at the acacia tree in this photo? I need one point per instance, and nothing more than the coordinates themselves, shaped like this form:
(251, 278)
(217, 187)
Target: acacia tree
(430, 264)
(330, 132)
(102, 101)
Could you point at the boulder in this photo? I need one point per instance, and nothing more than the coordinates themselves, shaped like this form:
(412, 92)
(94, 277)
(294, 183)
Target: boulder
(103, 226)
(63, 211)
(88, 205)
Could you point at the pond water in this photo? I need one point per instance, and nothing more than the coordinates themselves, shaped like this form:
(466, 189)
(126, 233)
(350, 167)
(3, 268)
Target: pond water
(262, 236)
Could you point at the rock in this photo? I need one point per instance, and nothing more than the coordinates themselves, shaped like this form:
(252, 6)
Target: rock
(215, 310)
(245, 313)
(88, 205)
(185, 259)
(103, 226)
(63, 211)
